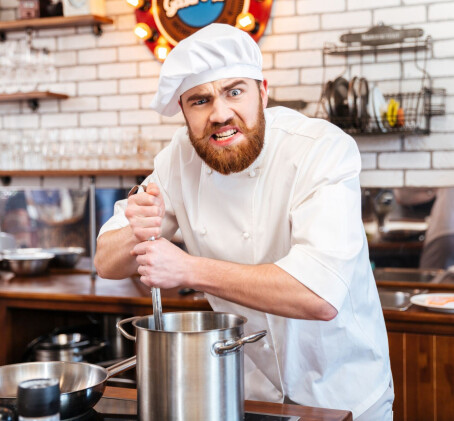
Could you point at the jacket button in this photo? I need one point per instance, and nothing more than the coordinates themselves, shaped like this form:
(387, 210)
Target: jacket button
(209, 170)
(252, 173)
(203, 231)
(246, 235)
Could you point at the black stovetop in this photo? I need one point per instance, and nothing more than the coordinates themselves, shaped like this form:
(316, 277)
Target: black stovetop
(113, 409)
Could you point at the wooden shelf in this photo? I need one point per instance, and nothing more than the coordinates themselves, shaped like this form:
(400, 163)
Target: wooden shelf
(32, 97)
(53, 22)
(24, 96)
(77, 173)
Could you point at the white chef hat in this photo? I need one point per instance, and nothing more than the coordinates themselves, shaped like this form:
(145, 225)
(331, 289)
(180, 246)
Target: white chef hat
(217, 51)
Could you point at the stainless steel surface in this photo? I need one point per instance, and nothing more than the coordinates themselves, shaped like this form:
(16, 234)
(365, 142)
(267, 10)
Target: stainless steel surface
(157, 308)
(28, 263)
(406, 275)
(56, 207)
(65, 340)
(179, 376)
(397, 299)
(66, 257)
(74, 353)
(81, 384)
(394, 300)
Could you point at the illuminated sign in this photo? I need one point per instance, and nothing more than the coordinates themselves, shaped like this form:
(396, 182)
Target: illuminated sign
(170, 21)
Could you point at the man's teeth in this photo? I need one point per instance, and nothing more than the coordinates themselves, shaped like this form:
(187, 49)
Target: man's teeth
(224, 135)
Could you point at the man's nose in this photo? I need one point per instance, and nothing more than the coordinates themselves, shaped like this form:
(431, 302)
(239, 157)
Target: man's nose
(220, 111)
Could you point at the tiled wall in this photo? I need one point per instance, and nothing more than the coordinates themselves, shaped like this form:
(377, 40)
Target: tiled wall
(111, 79)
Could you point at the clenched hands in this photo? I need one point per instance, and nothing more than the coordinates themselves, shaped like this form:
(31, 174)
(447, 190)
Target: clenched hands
(161, 263)
(145, 212)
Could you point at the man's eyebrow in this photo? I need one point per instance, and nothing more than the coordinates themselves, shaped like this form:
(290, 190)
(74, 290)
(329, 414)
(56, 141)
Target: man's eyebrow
(234, 84)
(197, 97)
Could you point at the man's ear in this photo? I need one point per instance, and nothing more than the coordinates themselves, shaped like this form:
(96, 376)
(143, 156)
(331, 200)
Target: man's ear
(264, 93)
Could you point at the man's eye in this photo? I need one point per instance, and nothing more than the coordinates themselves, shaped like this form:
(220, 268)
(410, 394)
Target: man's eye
(200, 101)
(235, 92)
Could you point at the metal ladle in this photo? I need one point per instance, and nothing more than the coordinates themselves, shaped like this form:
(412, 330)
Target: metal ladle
(157, 306)
(155, 292)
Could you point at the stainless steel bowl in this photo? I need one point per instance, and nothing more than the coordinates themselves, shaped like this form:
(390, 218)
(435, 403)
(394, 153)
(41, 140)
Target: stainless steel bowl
(28, 264)
(66, 257)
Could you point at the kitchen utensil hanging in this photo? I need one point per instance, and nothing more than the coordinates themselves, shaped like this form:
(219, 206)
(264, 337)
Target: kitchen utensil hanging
(365, 110)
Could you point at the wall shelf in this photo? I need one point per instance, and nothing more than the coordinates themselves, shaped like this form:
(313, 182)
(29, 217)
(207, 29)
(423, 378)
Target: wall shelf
(77, 173)
(360, 108)
(403, 47)
(54, 22)
(32, 97)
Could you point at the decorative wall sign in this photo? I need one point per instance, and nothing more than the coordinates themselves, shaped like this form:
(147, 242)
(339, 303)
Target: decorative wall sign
(381, 35)
(162, 24)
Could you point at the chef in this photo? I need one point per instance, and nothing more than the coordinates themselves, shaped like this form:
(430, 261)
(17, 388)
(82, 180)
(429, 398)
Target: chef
(268, 205)
(438, 250)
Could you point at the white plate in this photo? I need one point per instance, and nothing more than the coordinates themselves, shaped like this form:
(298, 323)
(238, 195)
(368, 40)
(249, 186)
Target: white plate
(379, 106)
(423, 300)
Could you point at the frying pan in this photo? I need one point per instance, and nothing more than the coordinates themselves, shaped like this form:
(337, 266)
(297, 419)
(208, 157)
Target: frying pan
(81, 384)
(338, 102)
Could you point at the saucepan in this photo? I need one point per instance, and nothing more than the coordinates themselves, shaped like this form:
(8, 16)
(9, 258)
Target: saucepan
(82, 384)
(193, 368)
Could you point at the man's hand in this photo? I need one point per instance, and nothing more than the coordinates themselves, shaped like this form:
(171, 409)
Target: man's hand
(162, 264)
(145, 212)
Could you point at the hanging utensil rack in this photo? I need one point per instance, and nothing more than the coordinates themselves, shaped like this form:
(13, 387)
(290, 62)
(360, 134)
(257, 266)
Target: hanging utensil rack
(418, 107)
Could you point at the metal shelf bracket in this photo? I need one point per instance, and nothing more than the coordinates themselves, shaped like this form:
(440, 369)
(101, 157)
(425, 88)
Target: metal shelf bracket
(97, 29)
(33, 104)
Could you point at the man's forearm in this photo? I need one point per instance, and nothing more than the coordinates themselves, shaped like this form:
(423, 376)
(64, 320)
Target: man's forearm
(265, 288)
(113, 259)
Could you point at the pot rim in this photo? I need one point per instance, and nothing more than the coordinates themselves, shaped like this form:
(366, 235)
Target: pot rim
(241, 318)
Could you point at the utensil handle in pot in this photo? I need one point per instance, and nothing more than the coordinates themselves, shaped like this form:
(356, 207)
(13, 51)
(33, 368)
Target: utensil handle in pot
(121, 366)
(232, 345)
(122, 331)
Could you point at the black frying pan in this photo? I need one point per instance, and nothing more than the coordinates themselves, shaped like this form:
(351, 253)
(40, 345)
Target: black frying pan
(81, 384)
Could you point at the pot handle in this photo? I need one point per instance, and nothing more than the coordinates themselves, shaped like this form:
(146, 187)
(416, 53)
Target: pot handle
(231, 345)
(121, 366)
(122, 331)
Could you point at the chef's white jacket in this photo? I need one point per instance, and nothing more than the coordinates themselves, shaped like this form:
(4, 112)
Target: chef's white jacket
(298, 206)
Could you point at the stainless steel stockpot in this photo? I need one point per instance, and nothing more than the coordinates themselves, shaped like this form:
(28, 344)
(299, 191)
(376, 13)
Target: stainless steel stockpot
(193, 368)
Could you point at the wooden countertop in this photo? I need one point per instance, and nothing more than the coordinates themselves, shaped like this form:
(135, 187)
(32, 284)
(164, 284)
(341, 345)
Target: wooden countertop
(305, 412)
(62, 290)
(79, 291)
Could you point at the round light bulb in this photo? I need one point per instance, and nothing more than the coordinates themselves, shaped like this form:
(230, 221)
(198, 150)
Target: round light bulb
(142, 31)
(161, 51)
(245, 21)
(136, 3)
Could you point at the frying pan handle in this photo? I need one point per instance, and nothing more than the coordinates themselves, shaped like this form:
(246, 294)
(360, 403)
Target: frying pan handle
(232, 345)
(121, 366)
(122, 331)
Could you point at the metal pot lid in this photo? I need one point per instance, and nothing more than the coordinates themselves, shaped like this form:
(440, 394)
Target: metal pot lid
(64, 341)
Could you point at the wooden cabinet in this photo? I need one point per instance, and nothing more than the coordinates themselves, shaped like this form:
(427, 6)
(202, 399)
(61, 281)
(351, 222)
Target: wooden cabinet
(422, 362)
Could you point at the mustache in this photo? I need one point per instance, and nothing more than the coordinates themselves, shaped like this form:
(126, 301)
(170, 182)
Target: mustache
(212, 127)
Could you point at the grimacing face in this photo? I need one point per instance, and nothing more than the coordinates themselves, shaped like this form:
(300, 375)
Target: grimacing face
(226, 123)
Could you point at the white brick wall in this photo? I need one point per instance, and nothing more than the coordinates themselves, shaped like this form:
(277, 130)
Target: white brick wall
(111, 79)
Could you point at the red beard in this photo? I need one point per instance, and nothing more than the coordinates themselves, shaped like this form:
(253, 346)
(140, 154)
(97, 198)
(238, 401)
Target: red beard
(233, 158)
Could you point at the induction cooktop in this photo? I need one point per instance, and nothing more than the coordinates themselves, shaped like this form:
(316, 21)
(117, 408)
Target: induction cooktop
(114, 409)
